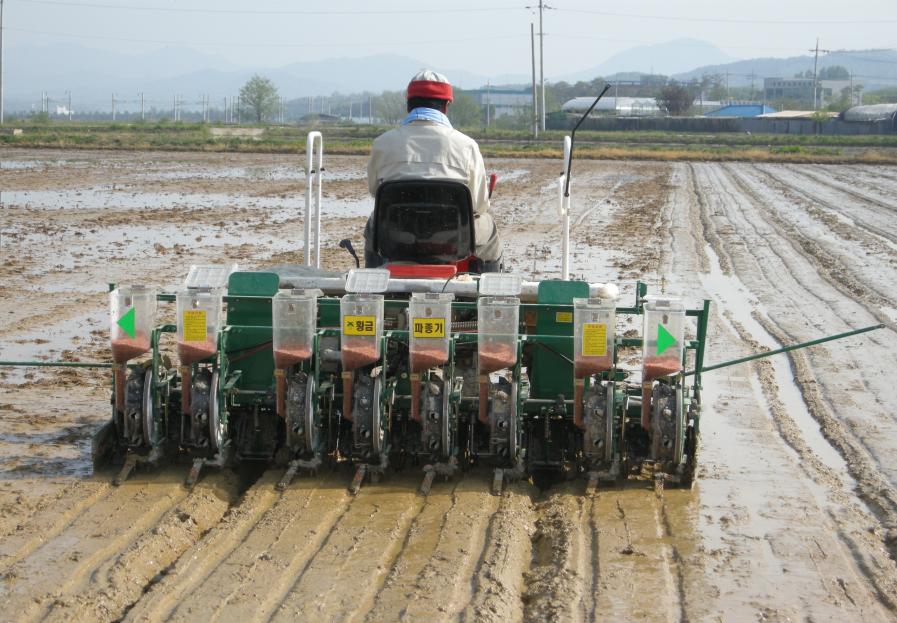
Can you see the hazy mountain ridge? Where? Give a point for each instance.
(92, 76)
(874, 68)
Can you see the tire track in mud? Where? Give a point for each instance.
(429, 579)
(64, 564)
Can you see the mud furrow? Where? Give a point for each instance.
(127, 576)
(709, 232)
(435, 564)
(344, 575)
(635, 579)
(814, 198)
(873, 489)
(498, 580)
(189, 571)
(558, 582)
(49, 519)
(64, 564)
(828, 180)
(828, 266)
(250, 581)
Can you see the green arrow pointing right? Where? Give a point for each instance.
(126, 323)
(664, 339)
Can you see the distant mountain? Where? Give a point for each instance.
(671, 57)
(875, 69)
(93, 75)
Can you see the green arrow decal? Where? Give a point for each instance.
(126, 323)
(664, 339)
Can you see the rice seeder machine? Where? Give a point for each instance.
(416, 360)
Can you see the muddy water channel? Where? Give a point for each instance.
(793, 517)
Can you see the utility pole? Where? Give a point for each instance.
(816, 52)
(542, 63)
(532, 42)
(1, 62)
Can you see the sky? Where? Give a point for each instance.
(490, 37)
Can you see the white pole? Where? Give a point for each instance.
(564, 213)
(313, 176)
(1, 61)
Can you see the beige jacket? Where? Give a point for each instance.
(427, 150)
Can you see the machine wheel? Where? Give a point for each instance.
(217, 430)
(311, 429)
(148, 407)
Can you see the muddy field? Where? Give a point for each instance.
(793, 517)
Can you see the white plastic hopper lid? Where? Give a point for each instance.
(659, 301)
(367, 280)
(209, 275)
(500, 284)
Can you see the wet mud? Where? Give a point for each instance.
(793, 517)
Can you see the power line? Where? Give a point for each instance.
(232, 44)
(727, 20)
(161, 9)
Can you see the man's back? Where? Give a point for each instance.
(425, 150)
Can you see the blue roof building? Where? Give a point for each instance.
(741, 110)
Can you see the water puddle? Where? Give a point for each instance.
(258, 173)
(49, 344)
(111, 198)
(732, 295)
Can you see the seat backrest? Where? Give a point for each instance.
(423, 221)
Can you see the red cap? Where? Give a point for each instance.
(424, 85)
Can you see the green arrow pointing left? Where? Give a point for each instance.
(664, 339)
(126, 323)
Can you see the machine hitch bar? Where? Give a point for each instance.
(784, 349)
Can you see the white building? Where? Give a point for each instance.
(620, 106)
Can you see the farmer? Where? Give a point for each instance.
(425, 146)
